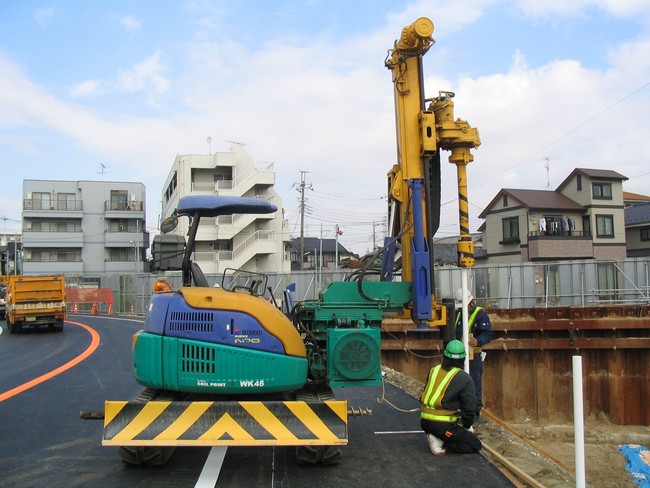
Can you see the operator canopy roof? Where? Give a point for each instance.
(215, 205)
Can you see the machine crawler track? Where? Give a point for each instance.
(148, 455)
(317, 454)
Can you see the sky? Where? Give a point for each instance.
(114, 90)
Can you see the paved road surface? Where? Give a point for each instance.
(43, 442)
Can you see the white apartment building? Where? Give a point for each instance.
(250, 242)
(83, 227)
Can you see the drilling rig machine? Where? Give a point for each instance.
(224, 366)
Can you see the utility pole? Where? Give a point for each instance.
(302, 219)
(374, 234)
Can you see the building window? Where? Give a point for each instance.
(579, 182)
(586, 225)
(645, 233)
(122, 225)
(55, 256)
(602, 191)
(42, 201)
(510, 231)
(119, 200)
(604, 226)
(505, 200)
(222, 245)
(65, 201)
(117, 254)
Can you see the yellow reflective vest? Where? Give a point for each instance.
(434, 391)
(470, 319)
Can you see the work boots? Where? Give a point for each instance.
(435, 445)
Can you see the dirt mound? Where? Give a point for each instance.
(545, 451)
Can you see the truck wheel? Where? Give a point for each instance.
(59, 326)
(15, 328)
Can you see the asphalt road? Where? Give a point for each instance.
(45, 381)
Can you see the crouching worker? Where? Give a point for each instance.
(449, 405)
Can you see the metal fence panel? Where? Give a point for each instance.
(519, 285)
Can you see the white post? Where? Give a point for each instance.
(578, 421)
(336, 250)
(464, 315)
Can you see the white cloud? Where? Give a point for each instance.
(130, 23)
(85, 88)
(147, 75)
(548, 8)
(42, 15)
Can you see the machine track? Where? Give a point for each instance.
(149, 455)
(317, 454)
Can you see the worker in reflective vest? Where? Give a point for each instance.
(480, 333)
(448, 405)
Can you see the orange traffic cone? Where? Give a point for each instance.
(110, 309)
(93, 310)
(75, 309)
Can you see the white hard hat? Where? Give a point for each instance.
(458, 296)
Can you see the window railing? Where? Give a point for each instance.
(566, 233)
(55, 229)
(38, 204)
(57, 258)
(121, 206)
(130, 229)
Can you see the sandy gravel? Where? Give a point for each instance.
(546, 453)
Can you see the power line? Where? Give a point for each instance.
(566, 134)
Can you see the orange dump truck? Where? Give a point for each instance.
(35, 301)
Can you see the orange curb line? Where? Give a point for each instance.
(94, 343)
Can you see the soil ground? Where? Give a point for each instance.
(546, 451)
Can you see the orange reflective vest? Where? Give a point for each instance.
(434, 391)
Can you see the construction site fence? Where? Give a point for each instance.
(520, 285)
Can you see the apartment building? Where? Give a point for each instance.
(83, 227)
(250, 242)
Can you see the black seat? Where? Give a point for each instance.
(197, 275)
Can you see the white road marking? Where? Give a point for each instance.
(212, 468)
(400, 432)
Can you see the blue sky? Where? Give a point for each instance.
(131, 84)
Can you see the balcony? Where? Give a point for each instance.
(65, 205)
(33, 207)
(574, 245)
(122, 206)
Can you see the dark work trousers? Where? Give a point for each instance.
(476, 372)
(456, 439)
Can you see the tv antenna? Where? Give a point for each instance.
(103, 169)
(242, 144)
